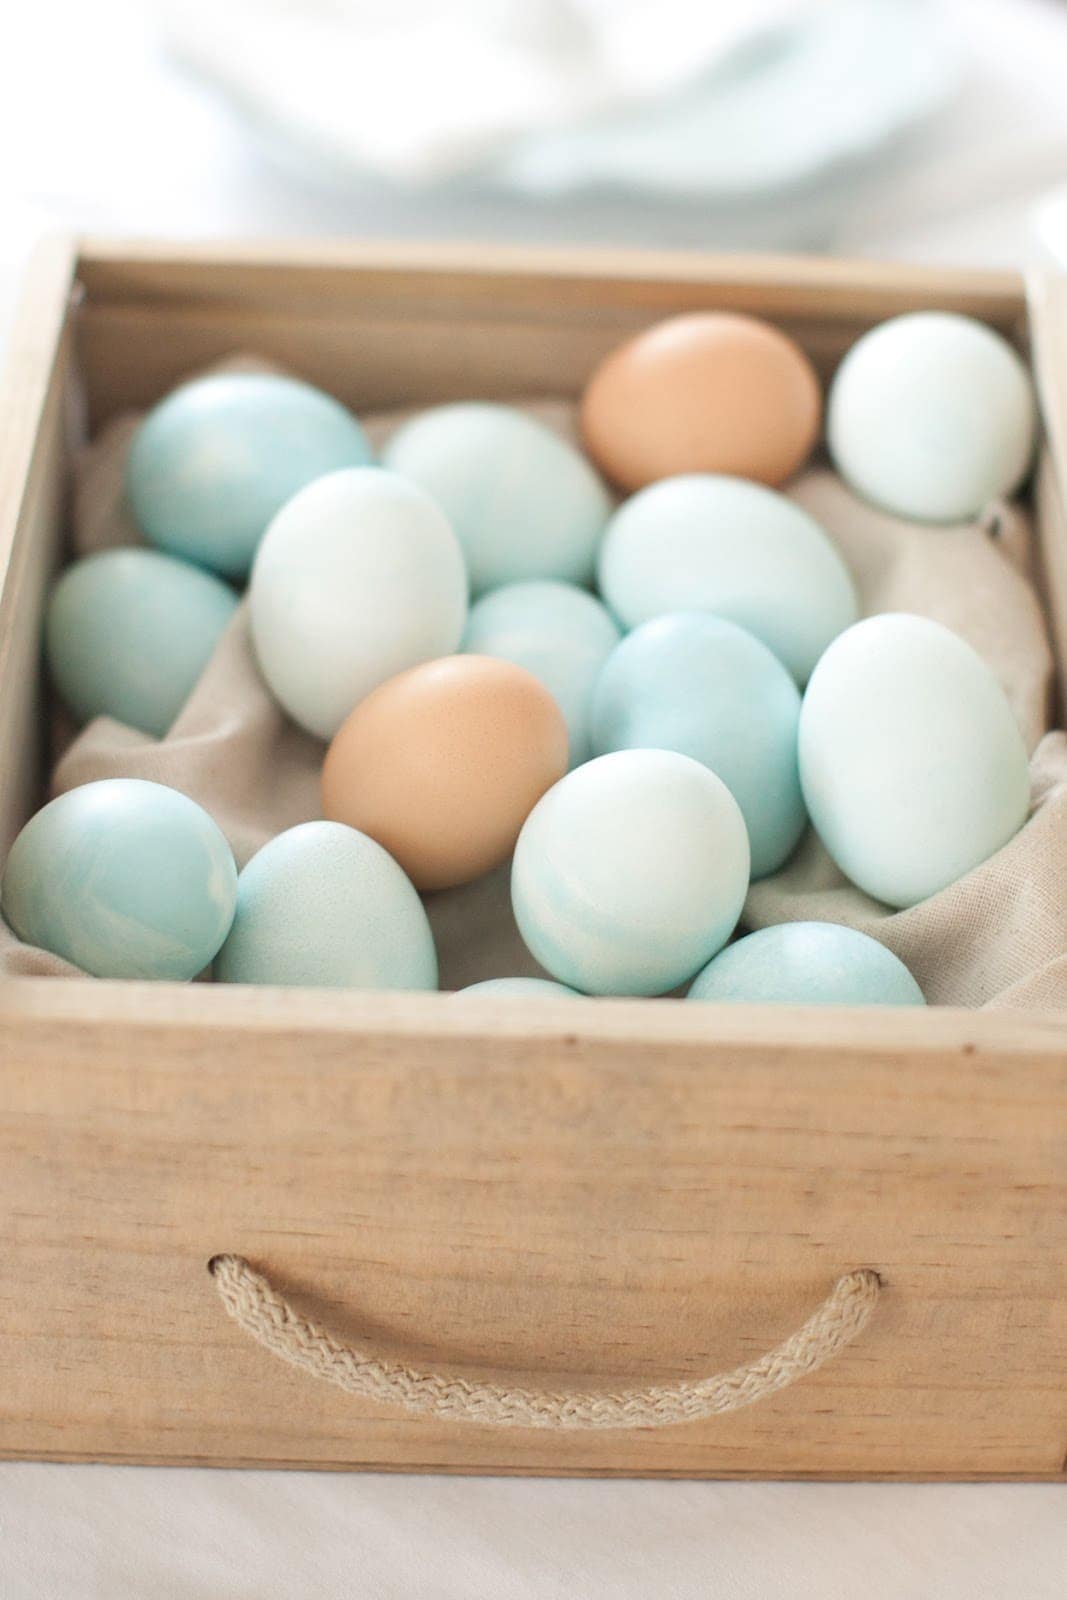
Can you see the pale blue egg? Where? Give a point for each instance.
(125, 879)
(808, 964)
(212, 463)
(324, 906)
(524, 502)
(932, 416)
(709, 543)
(703, 686)
(520, 989)
(912, 764)
(558, 632)
(128, 633)
(630, 873)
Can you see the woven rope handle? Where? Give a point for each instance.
(269, 1318)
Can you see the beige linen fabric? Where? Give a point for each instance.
(998, 937)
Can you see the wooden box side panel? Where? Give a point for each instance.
(394, 326)
(35, 402)
(566, 1199)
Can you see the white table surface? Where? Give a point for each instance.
(96, 132)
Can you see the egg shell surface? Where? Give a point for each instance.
(520, 989)
(807, 964)
(523, 502)
(358, 577)
(443, 764)
(913, 767)
(743, 552)
(705, 687)
(214, 461)
(630, 873)
(326, 907)
(124, 878)
(932, 416)
(560, 633)
(128, 633)
(712, 391)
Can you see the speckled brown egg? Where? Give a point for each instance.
(442, 765)
(709, 392)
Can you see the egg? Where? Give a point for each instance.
(520, 989)
(706, 543)
(126, 879)
(630, 873)
(808, 964)
(524, 502)
(443, 764)
(703, 686)
(128, 633)
(212, 463)
(912, 764)
(326, 907)
(713, 391)
(558, 632)
(358, 577)
(932, 416)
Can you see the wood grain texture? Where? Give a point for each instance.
(583, 1192)
(624, 1190)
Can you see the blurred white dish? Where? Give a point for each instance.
(551, 96)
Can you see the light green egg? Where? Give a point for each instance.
(324, 906)
(808, 964)
(128, 633)
(125, 879)
(560, 633)
(521, 989)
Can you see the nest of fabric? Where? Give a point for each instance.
(997, 937)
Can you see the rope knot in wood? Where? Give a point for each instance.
(268, 1318)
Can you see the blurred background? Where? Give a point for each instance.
(921, 129)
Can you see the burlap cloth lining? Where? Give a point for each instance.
(998, 937)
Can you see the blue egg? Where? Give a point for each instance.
(808, 964)
(703, 542)
(703, 686)
(125, 879)
(521, 989)
(212, 463)
(128, 633)
(523, 502)
(324, 906)
(558, 632)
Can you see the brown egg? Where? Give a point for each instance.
(710, 392)
(443, 764)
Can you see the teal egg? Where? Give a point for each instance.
(558, 632)
(523, 502)
(808, 964)
(705, 687)
(324, 906)
(521, 989)
(125, 879)
(212, 463)
(128, 633)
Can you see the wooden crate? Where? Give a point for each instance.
(574, 1194)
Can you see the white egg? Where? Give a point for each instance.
(912, 764)
(709, 543)
(358, 577)
(630, 873)
(932, 416)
